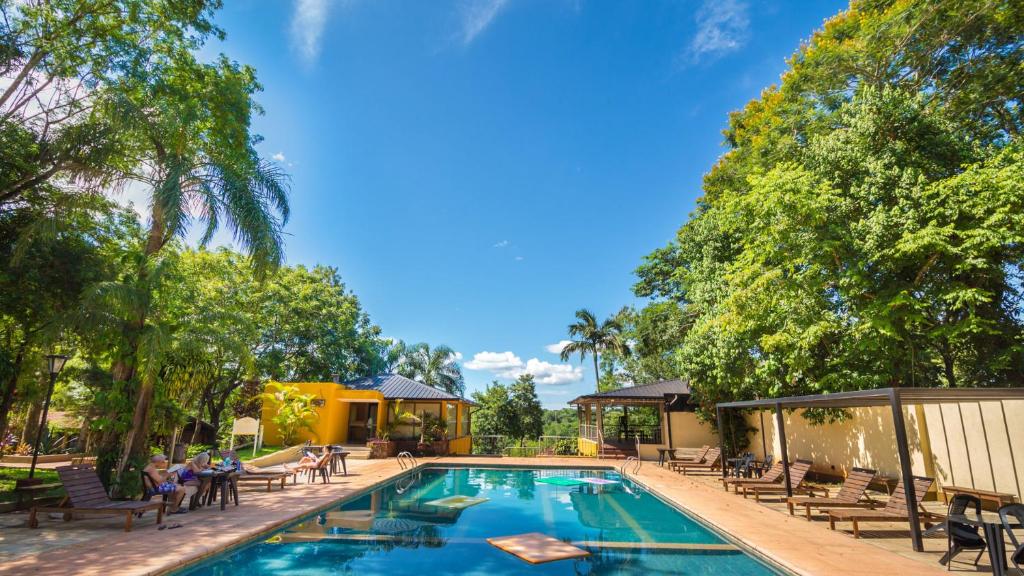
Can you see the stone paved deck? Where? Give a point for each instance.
(99, 546)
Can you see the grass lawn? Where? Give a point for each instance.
(246, 453)
(9, 475)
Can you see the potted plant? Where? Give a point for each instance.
(384, 446)
(433, 435)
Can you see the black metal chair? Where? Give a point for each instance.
(769, 461)
(960, 536)
(1009, 514)
(741, 466)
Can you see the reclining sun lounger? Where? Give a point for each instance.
(850, 495)
(697, 457)
(895, 510)
(797, 472)
(712, 460)
(86, 495)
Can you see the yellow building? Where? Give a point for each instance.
(355, 411)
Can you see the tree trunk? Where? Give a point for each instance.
(135, 439)
(28, 435)
(597, 374)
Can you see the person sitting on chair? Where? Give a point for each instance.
(160, 483)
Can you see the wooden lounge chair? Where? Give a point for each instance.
(895, 509)
(697, 457)
(771, 476)
(254, 474)
(851, 494)
(86, 495)
(797, 472)
(711, 461)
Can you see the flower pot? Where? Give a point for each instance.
(439, 447)
(382, 448)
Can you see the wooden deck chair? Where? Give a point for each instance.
(797, 472)
(895, 509)
(852, 494)
(712, 460)
(86, 495)
(697, 457)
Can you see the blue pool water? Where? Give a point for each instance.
(393, 530)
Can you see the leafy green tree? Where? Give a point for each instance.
(312, 328)
(436, 367)
(524, 404)
(593, 338)
(62, 61)
(293, 410)
(512, 411)
(863, 228)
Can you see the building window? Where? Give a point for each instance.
(465, 420)
(452, 420)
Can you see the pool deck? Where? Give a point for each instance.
(100, 546)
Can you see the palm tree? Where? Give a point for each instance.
(589, 337)
(199, 162)
(433, 366)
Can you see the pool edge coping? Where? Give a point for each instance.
(250, 539)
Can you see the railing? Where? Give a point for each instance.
(545, 446)
(621, 434)
(490, 444)
(588, 431)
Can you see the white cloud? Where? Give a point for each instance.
(555, 374)
(494, 361)
(502, 244)
(308, 21)
(508, 365)
(477, 15)
(557, 347)
(457, 355)
(519, 258)
(279, 157)
(722, 27)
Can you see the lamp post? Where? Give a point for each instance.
(54, 363)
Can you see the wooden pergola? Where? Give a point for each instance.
(895, 398)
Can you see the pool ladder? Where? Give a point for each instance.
(636, 462)
(406, 460)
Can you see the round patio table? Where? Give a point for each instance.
(225, 480)
(993, 528)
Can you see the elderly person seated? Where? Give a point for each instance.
(193, 472)
(157, 482)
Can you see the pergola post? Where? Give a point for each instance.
(908, 476)
(780, 422)
(721, 440)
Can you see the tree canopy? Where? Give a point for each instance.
(865, 227)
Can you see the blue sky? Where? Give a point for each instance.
(478, 170)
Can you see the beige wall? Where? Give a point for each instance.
(689, 432)
(978, 444)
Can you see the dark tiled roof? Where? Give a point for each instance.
(652, 391)
(395, 387)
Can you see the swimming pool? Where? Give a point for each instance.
(438, 520)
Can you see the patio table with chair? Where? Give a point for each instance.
(992, 526)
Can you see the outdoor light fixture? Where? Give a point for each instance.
(54, 364)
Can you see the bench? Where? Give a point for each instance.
(996, 498)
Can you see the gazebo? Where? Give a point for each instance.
(638, 412)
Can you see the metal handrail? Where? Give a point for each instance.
(637, 463)
(406, 460)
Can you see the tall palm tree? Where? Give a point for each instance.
(190, 125)
(589, 337)
(434, 367)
